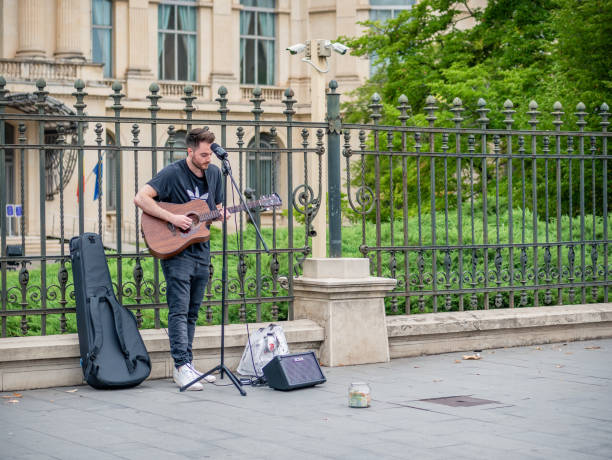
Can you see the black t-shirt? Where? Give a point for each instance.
(176, 183)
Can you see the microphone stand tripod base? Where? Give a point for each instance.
(222, 368)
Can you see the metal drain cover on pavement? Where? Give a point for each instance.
(459, 401)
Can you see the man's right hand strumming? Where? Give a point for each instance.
(180, 221)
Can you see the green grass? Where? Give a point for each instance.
(352, 240)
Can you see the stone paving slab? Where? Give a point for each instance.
(548, 401)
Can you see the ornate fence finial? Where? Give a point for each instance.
(557, 113)
(430, 108)
(60, 133)
(3, 91)
(375, 107)
(333, 85)
(508, 111)
(222, 100)
(580, 113)
(404, 108)
(471, 143)
(99, 130)
(362, 139)
(257, 100)
(533, 113)
(117, 96)
(521, 145)
(346, 150)
(41, 95)
(457, 109)
(188, 98)
(482, 112)
(546, 144)
(154, 97)
(79, 94)
(289, 101)
(320, 147)
(135, 133)
(604, 114)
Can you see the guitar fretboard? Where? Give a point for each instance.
(212, 215)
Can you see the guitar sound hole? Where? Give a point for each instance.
(194, 223)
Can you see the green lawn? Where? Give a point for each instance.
(352, 240)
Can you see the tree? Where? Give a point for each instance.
(517, 50)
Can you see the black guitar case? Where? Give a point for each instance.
(113, 354)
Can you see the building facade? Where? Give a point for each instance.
(207, 44)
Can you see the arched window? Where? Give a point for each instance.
(179, 149)
(268, 166)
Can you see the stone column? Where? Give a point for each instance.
(70, 20)
(341, 296)
(225, 48)
(31, 29)
(138, 74)
(138, 31)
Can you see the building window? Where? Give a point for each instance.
(383, 10)
(268, 163)
(112, 163)
(102, 34)
(177, 40)
(179, 151)
(257, 42)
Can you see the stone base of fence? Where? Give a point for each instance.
(43, 362)
(414, 335)
(50, 361)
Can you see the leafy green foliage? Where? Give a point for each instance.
(521, 50)
(517, 52)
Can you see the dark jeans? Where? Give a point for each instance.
(186, 280)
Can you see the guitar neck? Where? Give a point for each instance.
(212, 215)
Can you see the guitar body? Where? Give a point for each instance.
(164, 239)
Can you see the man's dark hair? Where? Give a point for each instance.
(197, 135)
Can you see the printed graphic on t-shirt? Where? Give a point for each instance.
(196, 195)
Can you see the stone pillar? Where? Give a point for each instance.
(31, 29)
(341, 296)
(138, 74)
(225, 48)
(70, 19)
(318, 115)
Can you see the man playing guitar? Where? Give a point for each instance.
(186, 273)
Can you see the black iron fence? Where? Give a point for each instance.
(465, 214)
(37, 291)
(481, 216)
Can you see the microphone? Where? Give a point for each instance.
(218, 151)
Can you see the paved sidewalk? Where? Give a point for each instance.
(547, 402)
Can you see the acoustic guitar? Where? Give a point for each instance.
(166, 240)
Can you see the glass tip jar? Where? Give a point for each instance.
(359, 395)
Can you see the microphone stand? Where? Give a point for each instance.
(221, 367)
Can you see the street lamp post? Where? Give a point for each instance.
(316, 54)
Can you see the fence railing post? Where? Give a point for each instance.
(334, 128)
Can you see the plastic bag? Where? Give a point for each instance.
(267, 342)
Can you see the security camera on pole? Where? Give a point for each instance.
(316, 54)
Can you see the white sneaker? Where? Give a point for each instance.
(209, 378)
(185, 374)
